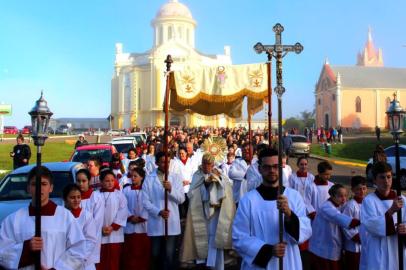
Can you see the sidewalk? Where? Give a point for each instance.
(339, 162)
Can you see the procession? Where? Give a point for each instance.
(201, 165)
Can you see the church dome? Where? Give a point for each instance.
(174, 9)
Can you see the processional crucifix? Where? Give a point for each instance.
(278, 51)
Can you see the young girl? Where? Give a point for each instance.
(136, 250)
(72, 199)
(92, 202)
(352, 209)
(115, 218)
(299, 179)
(326, 244)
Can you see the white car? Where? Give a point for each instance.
(390, 155)
(123, 144)
(139, 136)
(115, 132)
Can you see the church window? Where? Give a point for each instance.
(180, 32)
(188, 36)
(334, 97)
(319, 101)
(160, 35)
(127, 93)
(387, 103)
(358, 104)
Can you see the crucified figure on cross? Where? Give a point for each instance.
(278, 51)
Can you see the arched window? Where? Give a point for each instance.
(387, 103)
(160, 35)
(358, 104)
(188, 36)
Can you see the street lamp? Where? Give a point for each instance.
(395, 117)
(40, 115)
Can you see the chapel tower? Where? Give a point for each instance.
(370, 57)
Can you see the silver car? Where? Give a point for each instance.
(13, 189)
(300, 146)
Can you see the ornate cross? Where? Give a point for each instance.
(278, 51)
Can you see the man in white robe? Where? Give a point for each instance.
(62, 243)
(153, 191)
(256, 226)
(238, 171)
(379, 220)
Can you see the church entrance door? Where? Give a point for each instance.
(326, 121)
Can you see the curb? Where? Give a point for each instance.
(339, 162)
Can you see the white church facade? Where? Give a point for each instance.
(138, 82)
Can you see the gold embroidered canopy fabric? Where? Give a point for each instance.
(219, 89)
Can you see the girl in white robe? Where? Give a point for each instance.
(115, 218)
(72, 198)
(326, 244)
(92, 202)
(298, 180)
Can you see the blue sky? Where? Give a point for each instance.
(67, 47)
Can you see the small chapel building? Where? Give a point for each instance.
(357, 97)
(138, 82)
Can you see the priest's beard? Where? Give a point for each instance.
(271, 179)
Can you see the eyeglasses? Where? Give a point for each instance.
(270, 167)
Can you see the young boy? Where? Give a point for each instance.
(62, 244)
(316, 193)
(352, 242)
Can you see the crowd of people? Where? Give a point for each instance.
(117, 217)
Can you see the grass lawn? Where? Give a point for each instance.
(52, 151)
(355, 150)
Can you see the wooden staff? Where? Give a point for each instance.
(249, 134)
(168, 62)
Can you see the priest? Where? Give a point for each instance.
(256, 227)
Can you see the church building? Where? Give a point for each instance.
(138, 83)
(357, 97)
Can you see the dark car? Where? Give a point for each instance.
(13, 188)
(10, 130)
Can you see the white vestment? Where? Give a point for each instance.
(185, 171)
(237, 174)
(135, 208)
(299, 183)
(253, 176)
(115, 212)
(154, 202)
(63, 241)
(90, 232)
(316, 195)
(286, 173)
(352, 209)
(95, 205)
(379, 251)
(327, 241)
(256, 224)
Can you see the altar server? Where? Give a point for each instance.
(352, 242)
(115, 218)
(93, 202)
(62, 244)
(72, 198)
(301, 177)
(316, 193)
(162, 248)
(137, 246)
(379, 220)
(326, 244)
(256, 226)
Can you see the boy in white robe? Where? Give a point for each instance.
(352, 242)
(153, 190)
(378, 219)
(327, 242)
(62, 244)
(256, 226)
(316, 193)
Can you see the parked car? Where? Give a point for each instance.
(139, 136)
(104, 151)
(10, 130)
(300, 146)
(13, 189)
(116, 132)
(391, 159)
(123, 144)
(26, 130)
